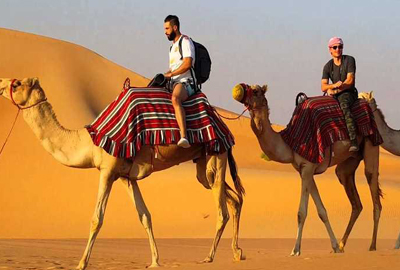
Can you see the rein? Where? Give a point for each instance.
(230, 118)
(16, 117)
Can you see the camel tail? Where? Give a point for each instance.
(234, 173)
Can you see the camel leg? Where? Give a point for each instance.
(235, 203)
(323, 215)
(306, 178)
(106, 181)
(216, 168)
(144, 216)
(345, 171)
(371, 161)
(397, 245)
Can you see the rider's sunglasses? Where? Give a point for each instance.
(340, 47)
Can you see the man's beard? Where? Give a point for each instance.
(171, 36)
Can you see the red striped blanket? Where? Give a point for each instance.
(145, 116)
(318, 122)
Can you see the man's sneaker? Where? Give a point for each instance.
(353, 146)
(184, 143)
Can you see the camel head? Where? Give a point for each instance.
(23, 93)
(252, 96)
(369, 97)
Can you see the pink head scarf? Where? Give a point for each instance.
(335, 40)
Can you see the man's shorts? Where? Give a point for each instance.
(190, 88)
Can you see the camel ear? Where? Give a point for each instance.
(264, 88)
(33, 81)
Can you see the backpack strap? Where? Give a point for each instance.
(343, 66)
(331, 69)
(180, 46)
(197, 88)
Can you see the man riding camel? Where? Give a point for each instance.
(341, 70)
(180, 73)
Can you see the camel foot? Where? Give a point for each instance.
(81, 266)
(238, 255)
(338, 250)
(153, 265)
(341, 247)
(207, 260)
(295, 253)
(372, 248)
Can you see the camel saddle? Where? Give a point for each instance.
(318, 122)
(145, 116)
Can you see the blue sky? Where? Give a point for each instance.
(281, 43)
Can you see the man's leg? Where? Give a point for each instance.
(345, 101)
(179, 95)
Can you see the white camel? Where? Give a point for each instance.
(75, 148)
(277, 150)
(391, 137)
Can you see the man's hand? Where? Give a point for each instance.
(332, 92)
(168, 75)
(338, 84)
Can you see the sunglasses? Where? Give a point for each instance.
(337, 47)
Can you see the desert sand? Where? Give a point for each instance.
(46, 208)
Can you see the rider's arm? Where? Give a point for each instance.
(186, 65)
(325, 86)
(351, 74)
(348, 83)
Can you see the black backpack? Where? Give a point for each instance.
(202, 64)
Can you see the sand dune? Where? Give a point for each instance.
(40, 198)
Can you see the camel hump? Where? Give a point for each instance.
(318, 122)
(145, 116)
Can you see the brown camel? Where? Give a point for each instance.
(75, 148)
(391, 137)
(277, 150)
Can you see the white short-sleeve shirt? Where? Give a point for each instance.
(175, 58)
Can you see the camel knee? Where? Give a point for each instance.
(323, 215)
(145, 219)
(301, 217)
(377, 212)
(370, 175)
(96, 224)
(234, 199)
(357, 209)
(223, 219)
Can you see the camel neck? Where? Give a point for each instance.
(57, 140)
(391, 137)
(270, 141)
